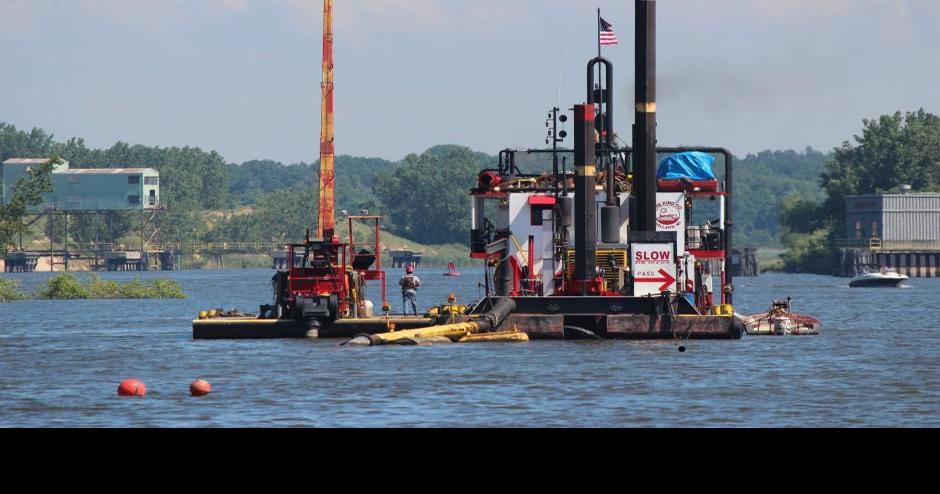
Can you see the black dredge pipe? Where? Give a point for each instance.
(502, 309)
(644, 128)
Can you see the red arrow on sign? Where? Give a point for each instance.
(667, 280)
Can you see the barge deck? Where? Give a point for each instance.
(249, 328)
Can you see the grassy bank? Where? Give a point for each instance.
(771, 260)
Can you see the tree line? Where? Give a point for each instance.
(424, 197)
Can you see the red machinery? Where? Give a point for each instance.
(326, 277)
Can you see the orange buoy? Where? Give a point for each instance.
(200, 388)
(132, 387)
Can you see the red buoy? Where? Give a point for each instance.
(200, 388)
(132, 387)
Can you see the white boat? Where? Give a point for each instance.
(885, 278)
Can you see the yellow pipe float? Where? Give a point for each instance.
(450, 331)
(514, 336)
(486, 322)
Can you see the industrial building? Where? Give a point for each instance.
(88, 190)
(92, 191)
(898, 231)
(895, 221)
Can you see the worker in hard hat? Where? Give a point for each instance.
(409, 290)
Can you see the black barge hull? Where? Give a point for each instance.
(266, 329)
(625, 318)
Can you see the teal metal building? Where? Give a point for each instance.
(90, 189)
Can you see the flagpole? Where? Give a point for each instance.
(599, 54)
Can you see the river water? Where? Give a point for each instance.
(876, 364)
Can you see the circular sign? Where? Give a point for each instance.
(668, 214)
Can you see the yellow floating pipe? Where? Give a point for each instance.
(502, 337)
(452, 331)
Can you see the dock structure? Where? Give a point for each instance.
(405, 258)
(126, 261)
(897, 231)
(745, 263)
(279, 260)
(150, 257)
(919, 263)
(21, 262)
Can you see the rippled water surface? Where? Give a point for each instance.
(875, 365)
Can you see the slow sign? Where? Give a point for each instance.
(654, 269)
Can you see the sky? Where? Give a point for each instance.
(242, 77)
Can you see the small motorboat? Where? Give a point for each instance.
(452, 271)
(886, 278)
(780, 320)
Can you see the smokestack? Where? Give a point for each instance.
(585, 228)
(644, 130)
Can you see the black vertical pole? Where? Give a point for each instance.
(585, 233)
(555, 149)
(644, 130)
(601, 108)
(66, 259)
(599, 54)
(729, 223)
(97, 240)
(51, 226)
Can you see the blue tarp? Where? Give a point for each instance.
(694, 165)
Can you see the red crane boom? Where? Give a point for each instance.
(326, 228)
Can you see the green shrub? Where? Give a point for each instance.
(63, 287)
(68, 287)
(165, 288)
(10, 291)
(102, 289)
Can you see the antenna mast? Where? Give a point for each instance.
(326, 224)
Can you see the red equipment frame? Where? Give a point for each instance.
(376, 274)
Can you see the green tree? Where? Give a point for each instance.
(762, 183)
(892, 150)
(282, 217)
(427, 199)
(23, 195)
(20, 144)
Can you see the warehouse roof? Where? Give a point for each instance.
(27, 161)
(908, 194)
(106, 171)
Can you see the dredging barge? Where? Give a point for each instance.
(604, 251)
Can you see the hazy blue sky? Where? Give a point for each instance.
(242, 76)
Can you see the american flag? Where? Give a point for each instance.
(607, 35)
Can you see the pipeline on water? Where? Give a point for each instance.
(586, 333)
(485, 323)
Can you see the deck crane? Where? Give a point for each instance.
(326, 225)
(327, 275)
